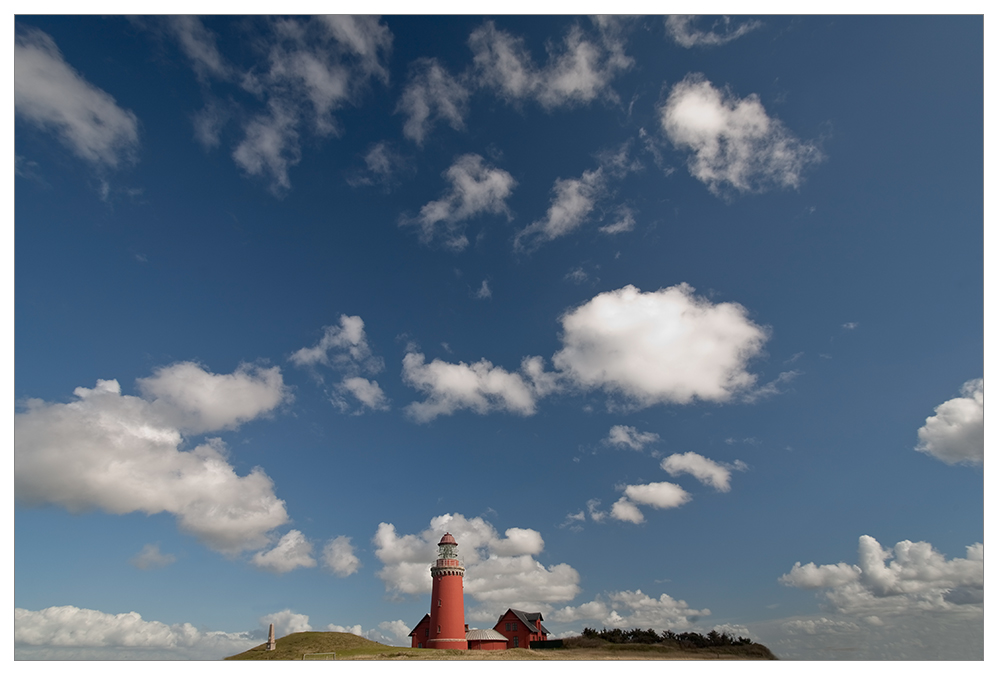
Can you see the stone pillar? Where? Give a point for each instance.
(271, 642)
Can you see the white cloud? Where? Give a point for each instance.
(484, 292)
(704, 470)
(150, 558)
(918, 579)
(667, 346)
(625, 510)
(72, 633)
(574, 199)
(480, 387)
(681, 29)
(955, 434)
(198, 44)
(286, 622)
(122, 453)
(367, 392)
(475, 188)
(51, 95)
(397, 628)
(634, 609)
(270, 146)
(356, 629)
(623, 223)
(292, 551)
(733, 143)
(196, 400)
(339, 558)
(313, 67)
(432, 95)
(501, 571)
(577, 73)
(345, 348)
(594, 513)
(382, 163)
(658, 495)
(624, 436)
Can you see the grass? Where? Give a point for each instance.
(354, 648)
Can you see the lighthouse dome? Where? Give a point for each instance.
(448, 538)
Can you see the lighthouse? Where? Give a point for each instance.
(447, 629)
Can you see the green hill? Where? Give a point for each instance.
(294, 646)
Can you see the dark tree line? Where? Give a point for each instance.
(667, 637)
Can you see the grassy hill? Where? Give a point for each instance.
(352, 648)
(294, 646)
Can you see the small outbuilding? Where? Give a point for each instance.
(421, 633)
(487, 639)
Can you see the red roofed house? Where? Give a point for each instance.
(521, 628)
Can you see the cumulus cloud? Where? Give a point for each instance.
(917, 579)
(432, 94)
(51, 95)
(286, 622)
(733, 143)
(121, 453)
(578, 72)
(667, 346)
(481, 387)
(656, 495)
(955, 434)
(629, 437)
(339, 558)
(501, 570)
(73, 633)
(634, 609)
(476, 188)
(705, 470)
(681, 28)
(292, 551)
(195, 400)
(344, 348)
(150, 558)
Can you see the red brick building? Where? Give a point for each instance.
(521, 628)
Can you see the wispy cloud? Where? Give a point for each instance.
(51, 95)
(432, 94)
(476, 188)
(682, 29)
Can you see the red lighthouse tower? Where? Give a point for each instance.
(447, 628)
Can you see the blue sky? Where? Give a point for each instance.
(674, 323)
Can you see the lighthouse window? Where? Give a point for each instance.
(438, 602)
(438, 629)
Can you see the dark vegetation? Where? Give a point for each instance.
(637, 638)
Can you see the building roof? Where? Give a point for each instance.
(486, 634)
(529, 618)
(426, 618)
(448, 538)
